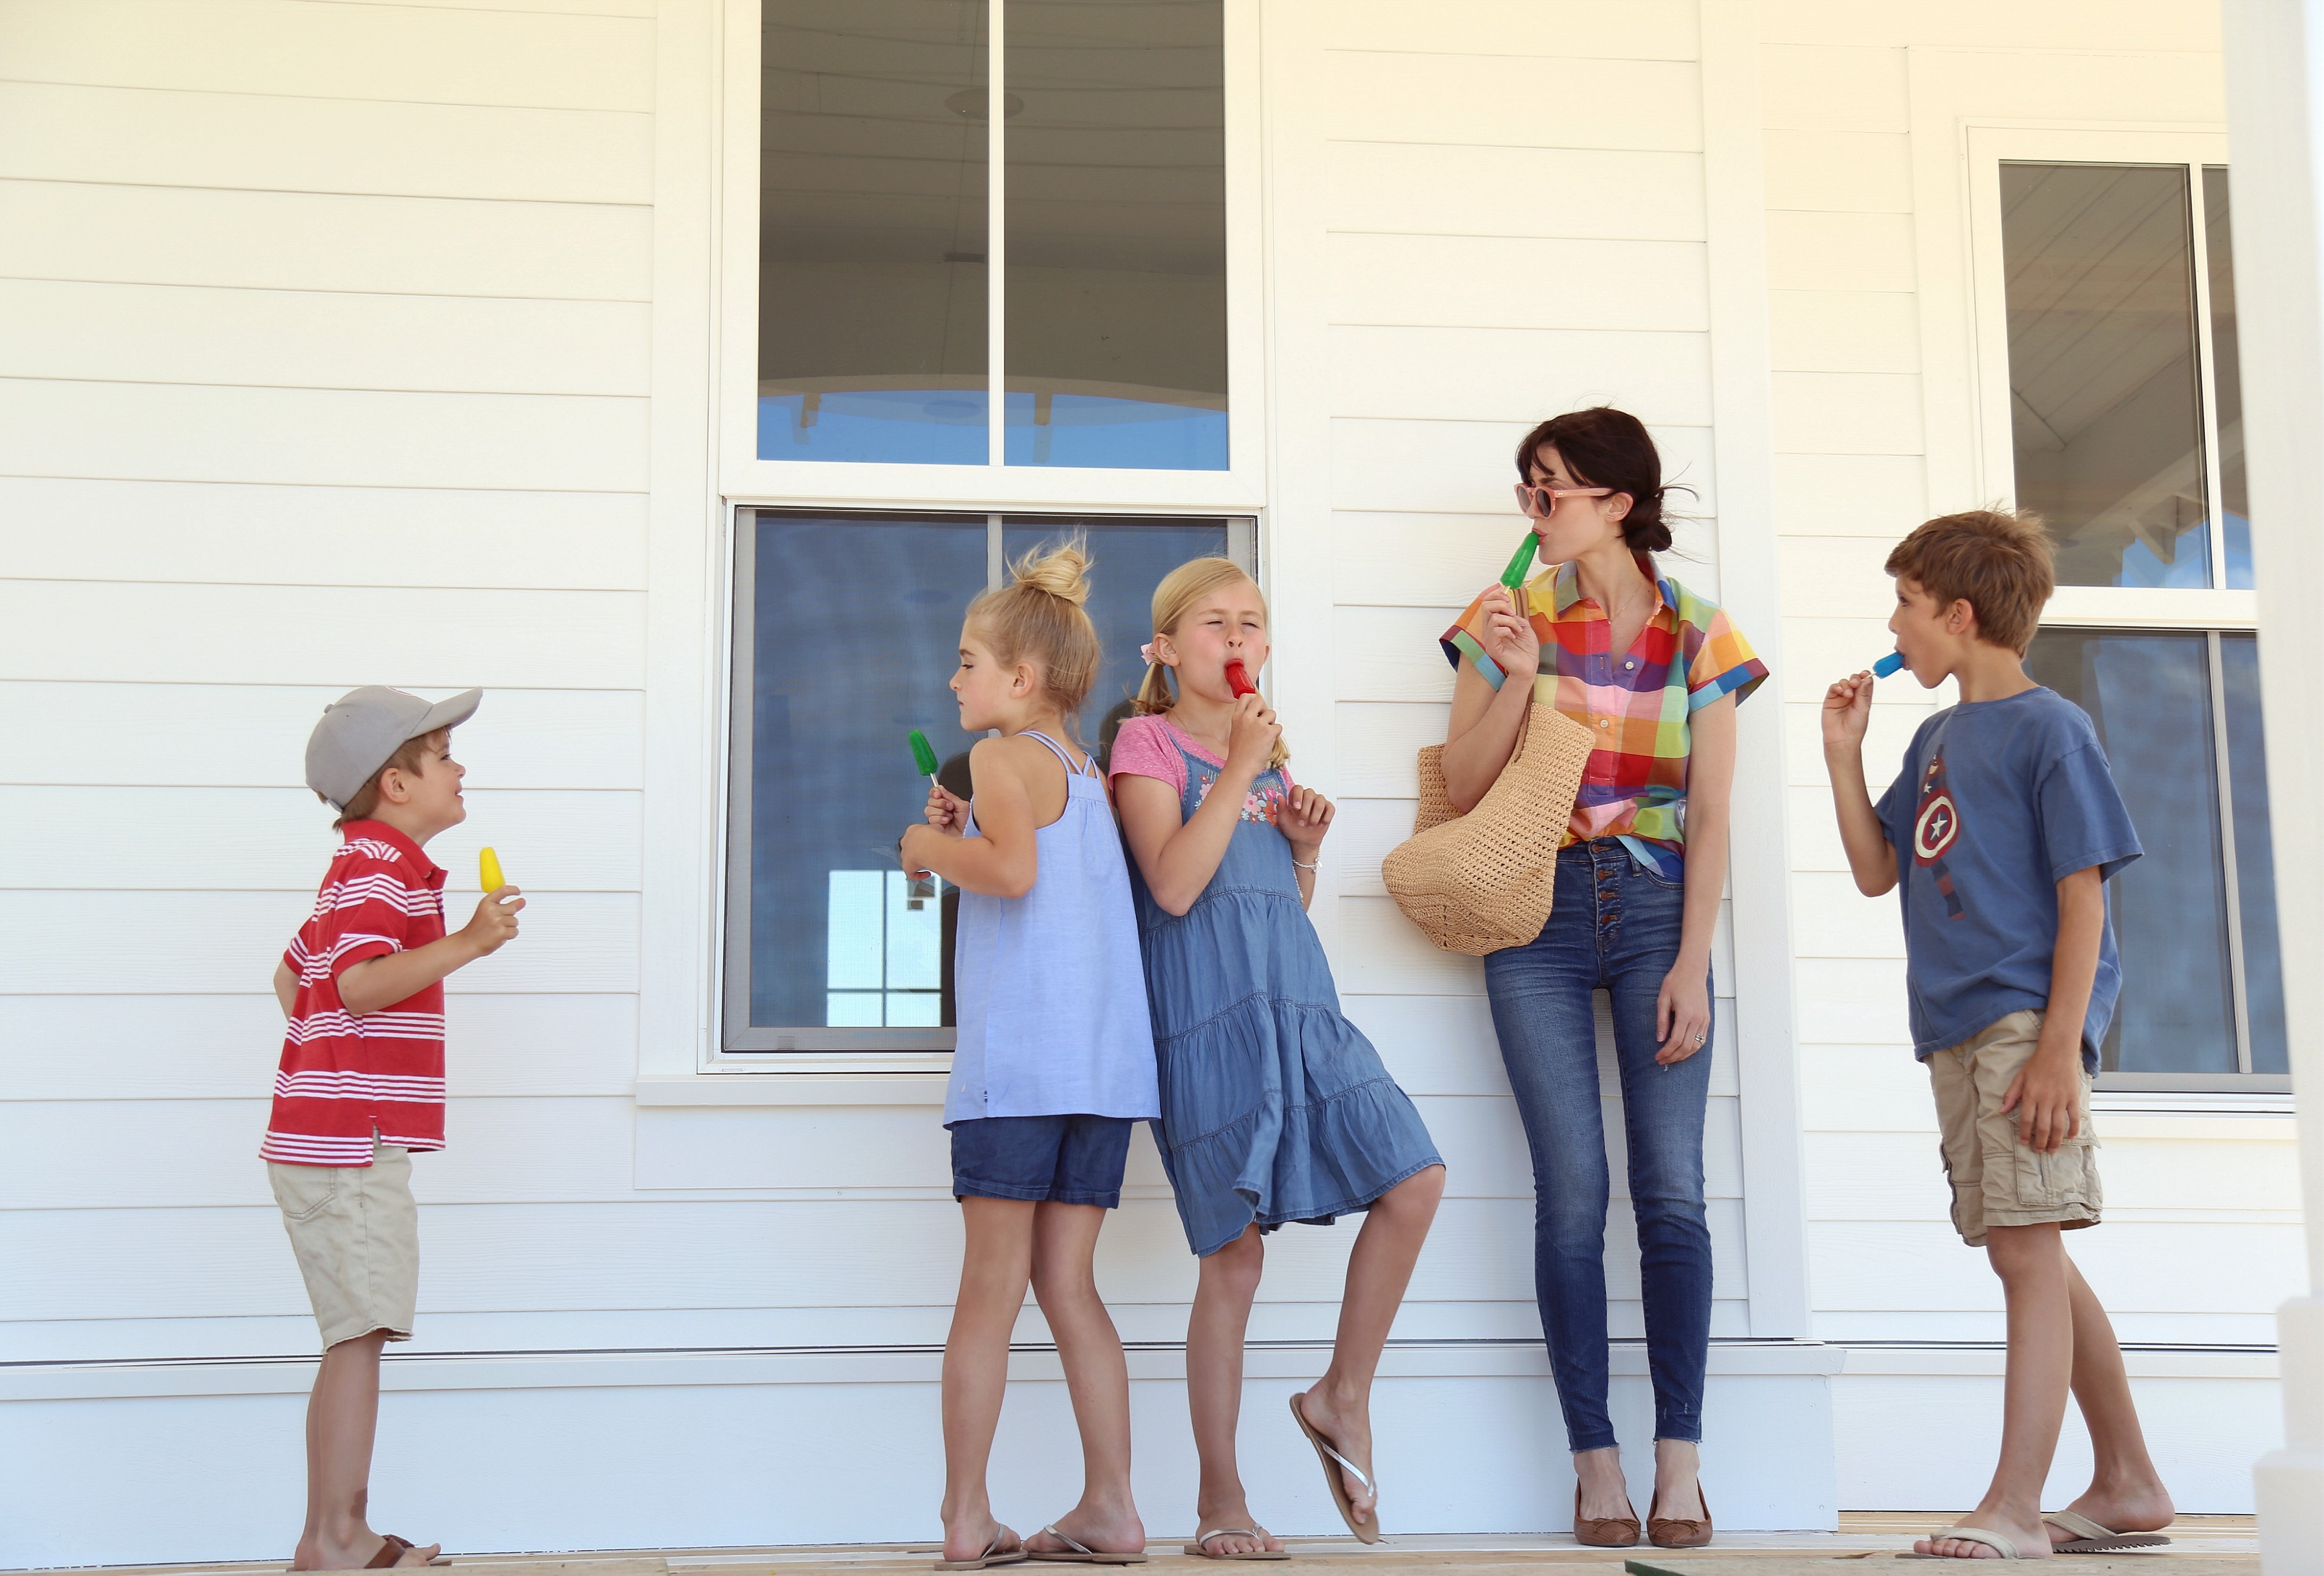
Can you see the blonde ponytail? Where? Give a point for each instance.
(1039, 616)
(1180, 591)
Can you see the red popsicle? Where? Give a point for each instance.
(1239, 680)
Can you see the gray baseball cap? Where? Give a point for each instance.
(364, 727)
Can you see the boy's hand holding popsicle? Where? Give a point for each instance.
(1848, 705)
(494, 925)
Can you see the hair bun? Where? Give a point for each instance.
(1062, 572)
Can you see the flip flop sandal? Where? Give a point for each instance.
(2090, 1538)
(1077, 1553)
(391, 1550)
(995, 1554)
(1201, 1545)
(1366, 1532)
(1971, 1534)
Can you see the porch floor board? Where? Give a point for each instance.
(2201, 1546)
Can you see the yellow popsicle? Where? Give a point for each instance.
(488, 867)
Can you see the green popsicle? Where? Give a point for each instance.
(1520, 562)
(924, 756)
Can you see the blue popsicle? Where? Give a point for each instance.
(1889, 667)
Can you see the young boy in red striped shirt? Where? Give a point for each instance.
(361, 1083)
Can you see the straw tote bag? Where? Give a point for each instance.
(1479, 882)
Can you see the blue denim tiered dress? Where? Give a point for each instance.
(1274, 1107)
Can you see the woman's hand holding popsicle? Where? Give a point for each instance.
(1511, 642)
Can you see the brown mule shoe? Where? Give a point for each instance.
(1669, 1532)
(1606, 1532)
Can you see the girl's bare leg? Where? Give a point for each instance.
(1214, 1336)
(1064, 1244)
(1339, 1406)
(995, 1268)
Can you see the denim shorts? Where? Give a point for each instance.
(1041, 1159)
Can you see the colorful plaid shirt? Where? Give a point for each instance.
(1636, 703)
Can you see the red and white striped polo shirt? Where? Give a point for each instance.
(345, 1077)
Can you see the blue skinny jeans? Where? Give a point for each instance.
(1614, 927)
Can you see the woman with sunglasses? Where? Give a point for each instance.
(1655, 673)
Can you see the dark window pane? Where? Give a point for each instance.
(1116, 257)
(2226, 376)
(1129, 558)
(2102, 369)
(2150, 695)
(2254, 854)
(873, 222)
(834, 938)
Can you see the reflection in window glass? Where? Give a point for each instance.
(848, 630)
(873, 224)
(1129, 557)
(2103, 371)
(2226, 376)
(2150, 696)
(855, 632)
(1116, 213)
(2254, 854)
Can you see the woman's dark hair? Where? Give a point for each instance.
(1605, 447)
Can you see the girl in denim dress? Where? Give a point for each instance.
(1275, 1108)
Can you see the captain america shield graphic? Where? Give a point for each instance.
(1933, 832)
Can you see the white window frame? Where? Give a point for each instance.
(744, 478)
(2213, 611)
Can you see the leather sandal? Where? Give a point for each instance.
(1671, 1532)
(1605, 1532)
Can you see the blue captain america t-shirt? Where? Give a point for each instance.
(2000, 800)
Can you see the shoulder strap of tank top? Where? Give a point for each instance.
(1089, 763)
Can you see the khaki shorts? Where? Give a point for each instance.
(1996, 1180)
(355, 1231)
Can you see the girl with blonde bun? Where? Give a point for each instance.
(1275, 1108)
(1055, 1059)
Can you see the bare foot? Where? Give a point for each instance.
(974, 1537)
(1347, 1429)
(1114, 1530)
(2146, 1508)
(2014, 1526)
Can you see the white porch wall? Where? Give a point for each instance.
(1867, 259)
(284, 280)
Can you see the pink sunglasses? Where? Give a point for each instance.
(1538, 502)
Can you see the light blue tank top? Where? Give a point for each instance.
(1050, 986)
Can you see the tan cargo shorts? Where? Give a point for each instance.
(1996, 1180)
(355, 1231)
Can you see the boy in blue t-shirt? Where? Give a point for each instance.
(2002, 830)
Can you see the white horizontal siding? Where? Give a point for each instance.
(178, 734)
(473, 56)
(150, 137)
(403, 245)
(331, 369)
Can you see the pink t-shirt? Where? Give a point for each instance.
(1148, 746)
